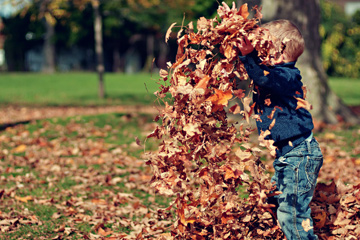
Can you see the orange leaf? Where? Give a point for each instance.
(244, 11)
(98, 201)
(302, 103)
(24, 199)
(203, 83)
(20, 148)
(104, 233)
(266, 73)
(220, 98)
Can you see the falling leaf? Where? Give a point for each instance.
(267, 102)
(203, 83)
(301, 103)
(168, 32)
(137, 140)
(306, 225)
(220, 97)
(163, 73)
(244, 12)
(266, 73)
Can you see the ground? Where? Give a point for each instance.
(85, 186)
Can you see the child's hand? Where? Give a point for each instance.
(245, 46)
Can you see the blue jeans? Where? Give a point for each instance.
(295, 176)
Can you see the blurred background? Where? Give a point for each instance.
(58, 35)
(127, 37)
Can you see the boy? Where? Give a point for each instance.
(298, 156)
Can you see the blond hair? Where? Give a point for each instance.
(286, 33)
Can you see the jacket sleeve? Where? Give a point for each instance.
(277, 79)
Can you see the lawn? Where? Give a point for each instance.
(347, 89)
(79, 89)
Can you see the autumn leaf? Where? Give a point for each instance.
(220, 98)
(244, 12)
(168, 32)
(302, 103)
(203, 83)
(20, 148)
(319, 219)
(24, 199)
(164, 74)
(306, 225)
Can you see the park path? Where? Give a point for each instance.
(14, 114)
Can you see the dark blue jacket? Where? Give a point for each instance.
(275, 88)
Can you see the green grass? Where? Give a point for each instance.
(79, 88)
(347, 89)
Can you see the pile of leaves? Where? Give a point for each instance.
(203, 158)
(335, 210)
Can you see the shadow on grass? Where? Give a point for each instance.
(7, 125)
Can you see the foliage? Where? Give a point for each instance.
(341, 41)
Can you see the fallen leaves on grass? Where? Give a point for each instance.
(69, 177)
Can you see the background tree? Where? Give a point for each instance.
(340, 35)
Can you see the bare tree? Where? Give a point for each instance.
(99, 46)
(49, 47)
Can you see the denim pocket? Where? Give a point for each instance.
(312, 168)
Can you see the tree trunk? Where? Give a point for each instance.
(150, 42)
(327, 107)
(163, 51)
(116, 58)
(99, 46)
(49, 48)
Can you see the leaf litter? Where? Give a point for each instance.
(88, 187)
